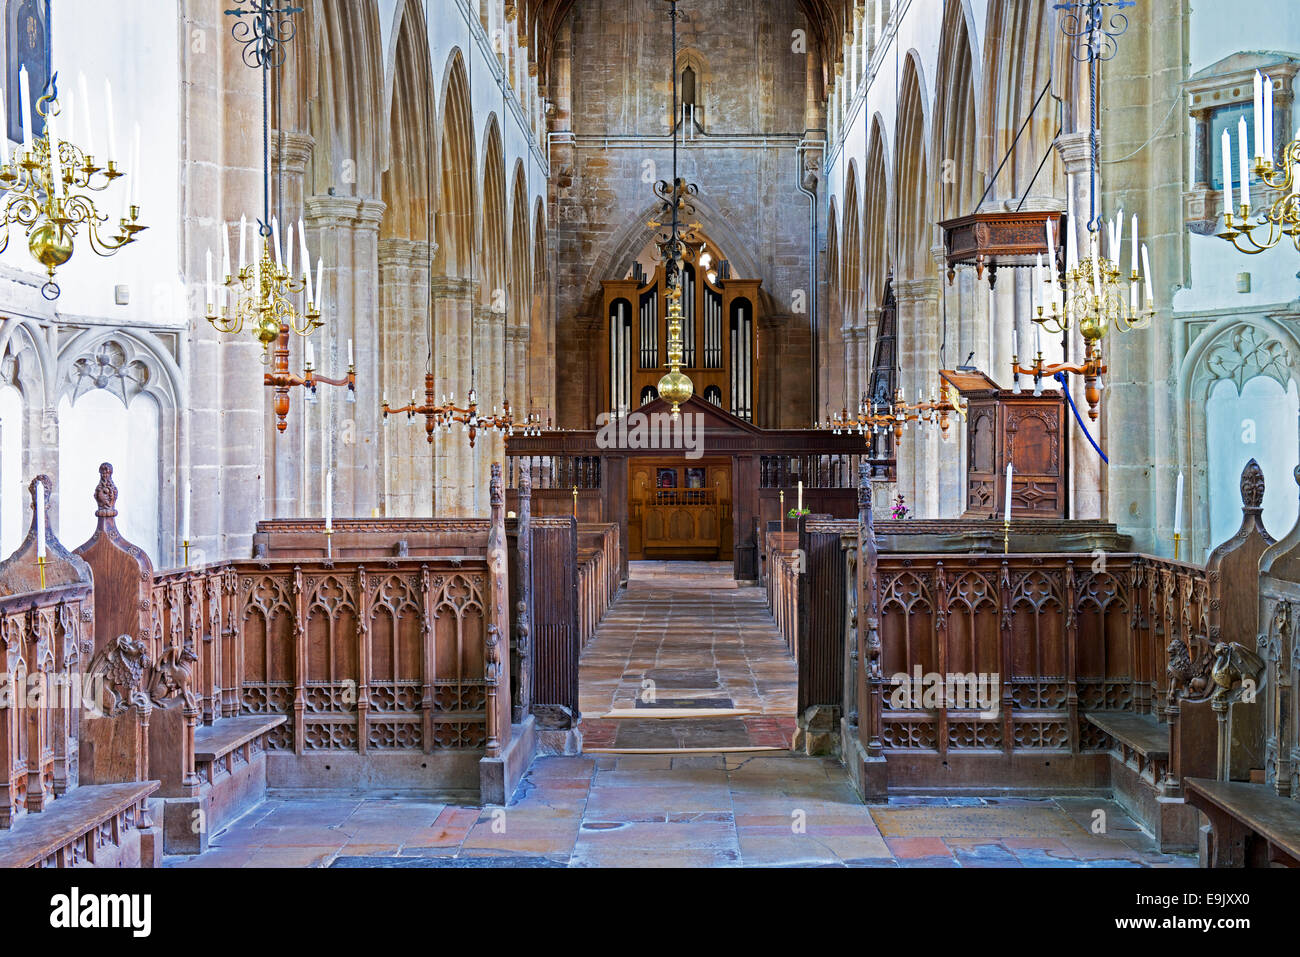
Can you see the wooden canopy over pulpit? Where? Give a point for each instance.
(1026, 430)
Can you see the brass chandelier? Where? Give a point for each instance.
(49, 182)
(266, 295)
(1279, 219)
(877, 419)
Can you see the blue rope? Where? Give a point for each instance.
(1060, 377)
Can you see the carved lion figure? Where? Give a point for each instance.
(1186, 680)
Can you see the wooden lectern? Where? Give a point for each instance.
(1023, 429)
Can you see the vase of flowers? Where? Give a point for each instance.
(796, 513)
(899, 510)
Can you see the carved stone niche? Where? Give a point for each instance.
(1226, 86)
(115, 742)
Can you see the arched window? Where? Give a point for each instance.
(1260, 423)
(100, 427)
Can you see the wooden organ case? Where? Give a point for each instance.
(719, 339)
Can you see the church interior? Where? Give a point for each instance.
(887, 451)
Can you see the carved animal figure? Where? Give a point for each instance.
(1186, 679)
(1236, 671)
(120, 671)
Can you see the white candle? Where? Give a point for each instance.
(25, 108)
(85, 105)
(1178, 506)
(136, 172)
(40, 519)
(56, 160)
(1225, 143)
(306, 257)
(67, 116)
(1134, 251)
(185, 514)
(1146, 273)
(320, 283)
(1268, 119)
(1071, 232)
(108, 110)
(800, 506)
(1244, 162)
(288, 253)
(1006, 509)
(1051, 248)
(349, 353)
(275, 242)
(1038, 338)
(329, 501)
(225, 253)
(1259, 115)
(211, 288)
(243, 242)
(311, 355)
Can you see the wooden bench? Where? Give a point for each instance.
(100, 825)
(1139, 740)
(222, 747)
(1251, 826)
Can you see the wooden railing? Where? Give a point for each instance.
(599, 564)
(781, 568)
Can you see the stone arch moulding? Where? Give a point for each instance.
(1234, 348)
(619, 251)
(27, 362)
(126, 364)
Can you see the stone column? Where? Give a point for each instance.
(344, 231)
(287, 451)
(406, 460)
(918, 355)
(1087, 472)
(453, 310)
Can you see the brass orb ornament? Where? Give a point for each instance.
(51, 246)
(676, 387)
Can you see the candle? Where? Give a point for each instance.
(40, 520)
(1134, 251)
(306, 257)
(225, 254)
(1178, 506)
(1006, 509)
(320, 282)
(275, 242)
(1071, 237)
(311, 355)
(136, 173)
(800, 496)
(4, 127)
(243, 242)
(185, 514)
(85, 100)
(56, 160)
(1038, 339)
(349, 353)
(211, 298)
(1015, 340)
(25, 108)
(1146, 273)
(66, 115)
(1051, 248)
(1268, 119)
(108, 110)
(1225, 143)
(1242, 150)
(1259, 115)
(329, 501)
(288, 253)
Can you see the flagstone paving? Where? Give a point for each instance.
(660, 810)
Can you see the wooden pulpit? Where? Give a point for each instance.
(1020, 428)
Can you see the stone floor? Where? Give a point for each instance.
(686, 628)
(685, 810)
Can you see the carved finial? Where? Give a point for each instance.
(498, 496)
(1252, 487)
(49, 489)
(106, 493)
(526, 480)
(864, 486)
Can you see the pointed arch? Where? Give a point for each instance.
(347, 110)
(916, 230)
(407, 182)
(957, 125)
(878, 193)
(492, 252)
(457, 193)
